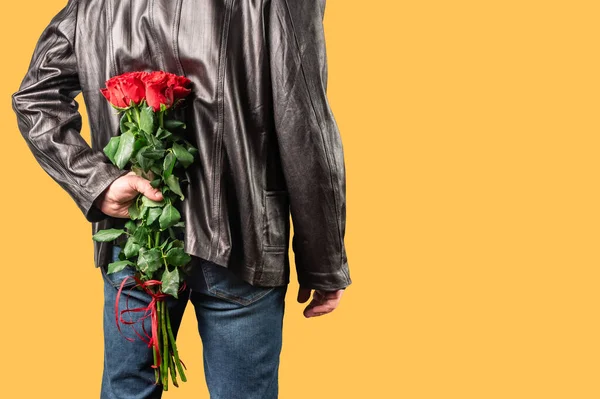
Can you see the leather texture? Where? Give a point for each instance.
(268, 143)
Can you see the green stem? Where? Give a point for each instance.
(156, 373)
(173, 371)
(175, 352)
(161, 120)
(157, 238)
(165, 317)
(159, 341)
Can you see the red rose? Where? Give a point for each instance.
(164, 88)
(121, 90)
(178, 83)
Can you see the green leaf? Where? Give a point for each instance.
(151, 203)
(173, 183)
(107, 235)
(165, 242)
(169, 216)
(149, 261)
(156, 182)
(147, 120)
(183, 155)
(170, 282)
(168, 165)
(137, 170)
(180, 224)
(153, 153)
(111, 148)
(124, 150)
(144, 162)
(131, 226)
(132, 248)
(172, 124)
(177, 257)
(153, 214)
(143, 210)
(156, 169)
(141, 235)
(148, 137)
(178, 243)
(134, 210)
(193, 151)
(118, 266)
(131, 125)
(139, 143)
(123, 123)
(162, 134)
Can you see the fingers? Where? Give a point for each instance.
(143, 186)
(303, 294)
(323, 302)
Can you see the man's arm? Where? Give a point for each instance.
(50, 122)
(309, 141)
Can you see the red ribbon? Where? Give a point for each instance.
(148, 311)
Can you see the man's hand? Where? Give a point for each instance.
(323, 302)
(115, 200)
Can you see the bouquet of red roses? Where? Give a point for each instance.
(151, 145)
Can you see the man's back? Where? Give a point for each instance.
(268, 142)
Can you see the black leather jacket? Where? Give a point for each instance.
(258, 113)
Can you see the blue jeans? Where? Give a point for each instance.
(240, 326)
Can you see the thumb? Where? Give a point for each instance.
(143, 186)
(303, 294)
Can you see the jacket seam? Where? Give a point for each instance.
(159, 52)
(175, 34)
(262, 21)
(325, 147)
(220, 126)
(109, 20)
(263, 237)
(73, 44)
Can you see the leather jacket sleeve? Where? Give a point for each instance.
(48, 117)
(309, 141)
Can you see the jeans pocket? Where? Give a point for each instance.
(221, 282)
(116, 279)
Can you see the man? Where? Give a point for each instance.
(268, 146)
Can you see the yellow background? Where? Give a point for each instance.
(471, 135)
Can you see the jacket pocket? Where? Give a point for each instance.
(276, 219)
